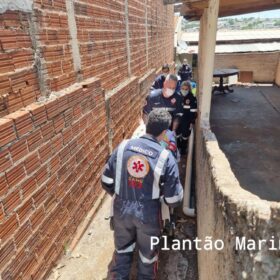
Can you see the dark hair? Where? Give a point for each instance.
(158, 120)
(171, 77)
(165, 66)
(186, 83)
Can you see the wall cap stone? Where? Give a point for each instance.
(16, 5)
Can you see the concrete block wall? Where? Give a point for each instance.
(72, 73)
(225, 211)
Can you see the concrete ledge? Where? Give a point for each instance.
(16, 5)
(226, 211)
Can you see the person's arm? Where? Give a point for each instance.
(190, 72)
(172, 189)
(175, 123)
(147, 109)
(157, 83)
(193, 109)
(180, 72)
(178, 113)
(108, 175)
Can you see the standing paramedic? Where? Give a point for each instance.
(185, 71)
(158, 82)
(138, 173)
(189, 104)
(166, 98)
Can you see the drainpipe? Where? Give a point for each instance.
(187, 190)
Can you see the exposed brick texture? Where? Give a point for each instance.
(50, 187)
(102, 40)
(18, 80)
(124, 105)
(52, 149)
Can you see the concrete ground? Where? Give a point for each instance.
(246, 123)
(93, 253)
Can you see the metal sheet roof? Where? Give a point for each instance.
(236, 48)
(232, 35)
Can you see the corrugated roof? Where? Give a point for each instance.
(232, 35)
(236, 48)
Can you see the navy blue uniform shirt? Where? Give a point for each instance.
(172, 104)
(158, 83)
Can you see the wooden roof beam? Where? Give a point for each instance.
(237, 7)
(193, 9)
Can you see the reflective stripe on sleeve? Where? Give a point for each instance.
(175, 198)
(119, 166)
(146, 260)
(129, 249)
(158, 172)
(107, 180)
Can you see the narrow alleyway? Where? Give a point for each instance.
(92, 255)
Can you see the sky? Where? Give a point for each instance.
(265, 14)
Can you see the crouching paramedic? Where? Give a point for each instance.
(138, 173)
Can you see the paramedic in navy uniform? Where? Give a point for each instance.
(138, 173)
(167, 99)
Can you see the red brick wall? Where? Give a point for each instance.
(161, 33)
(124, 105)
(52, 151)
(18, 80)
(54, 43)
(51, 160)
(102, 40)
(102, 45)
(137, 32)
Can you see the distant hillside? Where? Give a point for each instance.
(236, 24)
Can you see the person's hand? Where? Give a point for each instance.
(145, 118)
(175, 125)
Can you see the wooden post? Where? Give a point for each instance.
(207, 44)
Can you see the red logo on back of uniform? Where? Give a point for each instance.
(138, 166)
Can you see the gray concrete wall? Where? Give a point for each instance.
(226, 211)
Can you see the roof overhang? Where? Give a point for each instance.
(193, 9)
